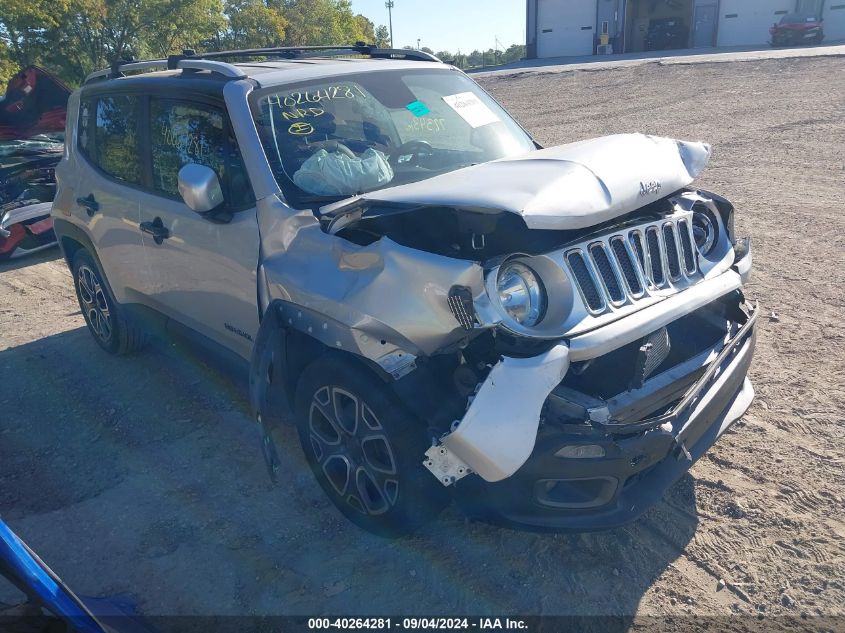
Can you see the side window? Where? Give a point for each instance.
(115, 139)
(183, 133)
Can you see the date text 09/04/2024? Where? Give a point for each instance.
(417, 623)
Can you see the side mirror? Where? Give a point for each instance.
(199, 187)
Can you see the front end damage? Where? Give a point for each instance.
(636, 363)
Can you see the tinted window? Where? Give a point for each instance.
(115, 139)
(183, 133)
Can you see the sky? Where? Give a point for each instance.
(450, 24)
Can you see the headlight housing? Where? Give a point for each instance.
(521, 293)
(705, 229)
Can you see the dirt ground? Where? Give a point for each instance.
(142, 476)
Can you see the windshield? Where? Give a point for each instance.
(797, 19)
(340, 136)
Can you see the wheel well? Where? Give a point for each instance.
(302, 350)
(70, 247)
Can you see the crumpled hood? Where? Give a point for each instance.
(565, 187)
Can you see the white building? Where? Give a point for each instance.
(557, 28)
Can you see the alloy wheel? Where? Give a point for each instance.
(353, 451)
(95, 305)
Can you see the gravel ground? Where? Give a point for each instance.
(142, 476)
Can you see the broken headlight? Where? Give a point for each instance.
(705, 229)
(521, 293)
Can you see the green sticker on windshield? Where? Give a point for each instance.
(418, 108)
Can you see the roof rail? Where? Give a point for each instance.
(119, 68)
(190, 60)
(296, 52)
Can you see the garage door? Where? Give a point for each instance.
(747, 22)
(834, 20)
(565, 27)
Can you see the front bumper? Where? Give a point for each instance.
(579, 494)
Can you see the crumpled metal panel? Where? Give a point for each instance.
(498, 432)
(567, 187)
(381, 292)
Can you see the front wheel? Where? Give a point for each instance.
(364, 448)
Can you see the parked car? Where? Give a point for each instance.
(795, 29)
(666, 34)
(32, 121)
(441, 307)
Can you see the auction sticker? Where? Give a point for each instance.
(418, 108)
(471, 109)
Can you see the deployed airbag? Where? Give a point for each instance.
(335, 173)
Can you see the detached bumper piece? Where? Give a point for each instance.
(600, 460)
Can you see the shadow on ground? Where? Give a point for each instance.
(142, 476)
(47, 255)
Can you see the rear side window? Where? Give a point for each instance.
(108, 135)
(183, 133)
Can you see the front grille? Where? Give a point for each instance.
(671, 251)
(629, 271)
(586, 282)
(607, 272)
(686, 246)
(620, 268)
(655, 258)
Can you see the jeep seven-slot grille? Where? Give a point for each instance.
(671, 252)
(586, 282)
(655, 258)
(607, 272)
(629, 271)
(686, 246)
(618, 268)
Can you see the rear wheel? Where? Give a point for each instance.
(364, 448)
(105, 318)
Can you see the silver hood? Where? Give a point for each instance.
(565, 187)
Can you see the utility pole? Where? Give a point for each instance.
(389, 5)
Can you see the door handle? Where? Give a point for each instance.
(157, 229)
(90, 203)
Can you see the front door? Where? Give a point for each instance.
(704, 33)
(202, 267)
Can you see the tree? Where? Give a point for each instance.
(321, 22)
(253, 24)
(382, 37)
(366, 29)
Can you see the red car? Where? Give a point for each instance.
(32, 120)
(795, 29)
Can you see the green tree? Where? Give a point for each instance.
(74, 37)
(321, 22)
(366, 29)
(382, 37)
(254, 24)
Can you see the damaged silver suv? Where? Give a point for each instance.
(444, 309)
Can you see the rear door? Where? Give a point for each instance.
(565, 28)
(203, 273)
(109, 186)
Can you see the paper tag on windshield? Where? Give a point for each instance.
(471, 109)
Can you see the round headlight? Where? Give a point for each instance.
(521, 293)
(705, 229)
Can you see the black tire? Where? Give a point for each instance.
(365, 449)
(106, 319)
